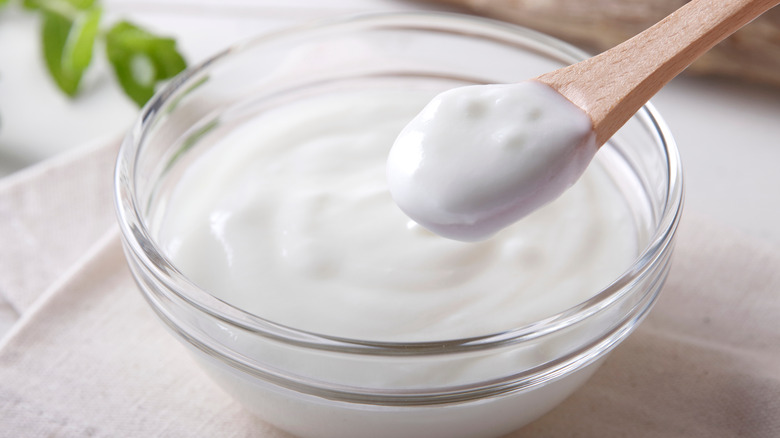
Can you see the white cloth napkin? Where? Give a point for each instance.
(83, 355)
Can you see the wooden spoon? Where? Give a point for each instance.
(462, 181)
(614, 85)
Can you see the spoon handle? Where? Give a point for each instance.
(614, 85)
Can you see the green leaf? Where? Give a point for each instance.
(141, 60)
(67, 46)
(82, 4)
(3, 2)
(61, 6)
(81, 40)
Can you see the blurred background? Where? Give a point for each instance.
(728, 129)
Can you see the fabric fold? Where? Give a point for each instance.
(50, 214)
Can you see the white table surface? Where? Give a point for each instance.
(728, 132)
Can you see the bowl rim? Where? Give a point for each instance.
(138, 239)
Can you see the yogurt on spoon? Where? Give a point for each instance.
(477, 159)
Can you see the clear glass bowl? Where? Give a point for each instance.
(316, 385)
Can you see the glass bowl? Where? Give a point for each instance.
(312, 384)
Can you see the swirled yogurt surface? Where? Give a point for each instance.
(289, 217)
(478, 158)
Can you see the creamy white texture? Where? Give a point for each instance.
(289, 217)
(478, 158)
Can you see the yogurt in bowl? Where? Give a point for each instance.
(256, 218)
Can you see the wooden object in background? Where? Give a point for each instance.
(752, 53)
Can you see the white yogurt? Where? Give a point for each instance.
(289, 217)
(478, 158)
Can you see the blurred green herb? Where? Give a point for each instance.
(69, 31)
(141, 59)
(67, 46)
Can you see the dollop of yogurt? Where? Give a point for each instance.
(288, 217)
(478, 158)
